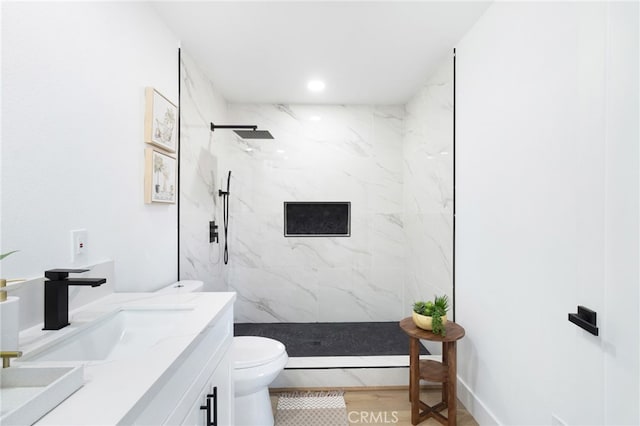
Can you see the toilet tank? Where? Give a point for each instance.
(183, 286)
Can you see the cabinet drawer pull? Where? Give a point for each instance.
(208, 408)
(215, 406)
(212, 398)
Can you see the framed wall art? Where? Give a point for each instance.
(159, 177)
(160, 121)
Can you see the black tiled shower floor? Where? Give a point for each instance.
(333, 338)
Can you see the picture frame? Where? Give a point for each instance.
(159, 177)
(160, 121)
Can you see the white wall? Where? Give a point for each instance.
(73, 79)
(622, 216)
(547, 212)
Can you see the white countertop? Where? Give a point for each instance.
(112, 388)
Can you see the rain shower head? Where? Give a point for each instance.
(254, 134)
(251, 133)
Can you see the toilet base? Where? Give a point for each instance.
(254, 409)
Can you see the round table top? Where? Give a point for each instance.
(453, 331)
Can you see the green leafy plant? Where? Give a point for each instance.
(436, 310)
(2, 256)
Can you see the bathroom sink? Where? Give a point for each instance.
(118, 335)
(28, 393)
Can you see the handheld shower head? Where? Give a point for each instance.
(220, 191)
(225, 217)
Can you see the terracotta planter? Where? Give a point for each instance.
(424, 322)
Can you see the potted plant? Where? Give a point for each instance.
(432, 315)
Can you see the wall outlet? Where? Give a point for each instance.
(557, 421)
(79, 245)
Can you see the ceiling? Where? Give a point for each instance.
(366, 52)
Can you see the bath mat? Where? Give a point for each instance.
(326, 408)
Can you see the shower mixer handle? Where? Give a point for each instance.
(213, 232)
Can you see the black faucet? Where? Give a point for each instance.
(56, 295)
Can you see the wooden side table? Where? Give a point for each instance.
(443, 372)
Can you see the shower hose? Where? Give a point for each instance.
(225, 218)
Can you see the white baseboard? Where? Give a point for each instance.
(475, 406)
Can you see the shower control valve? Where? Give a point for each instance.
(213, 232)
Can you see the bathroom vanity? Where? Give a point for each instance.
(148, 359)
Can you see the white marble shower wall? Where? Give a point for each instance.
(428, 188)
(320, 153)
(200, 154)
(394, 164)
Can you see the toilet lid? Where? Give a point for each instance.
(251, 351)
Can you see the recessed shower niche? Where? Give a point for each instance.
(317, 219)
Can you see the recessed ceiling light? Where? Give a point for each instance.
(314, 118)
(316, 85)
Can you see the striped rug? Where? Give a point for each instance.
(323, 408)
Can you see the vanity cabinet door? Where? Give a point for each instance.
(222, 379)
(214, 406)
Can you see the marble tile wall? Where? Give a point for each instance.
(428, 188)
(393, 163)
(200, 103)
(320, 153)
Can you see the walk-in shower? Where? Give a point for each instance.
(332, 296)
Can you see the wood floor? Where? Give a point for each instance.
(380, 407)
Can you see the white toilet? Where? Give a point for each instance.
(257, 362)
